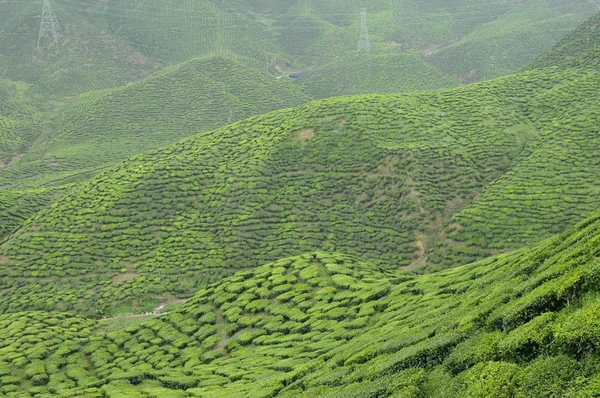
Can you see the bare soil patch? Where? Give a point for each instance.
(305, 134)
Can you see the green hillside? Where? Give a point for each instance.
(504, 45)
(178, 219)
(19, 118)
(328, 325)
(174, 31)
(108, 44)
(553, 184)
(86, 58)
(18, 206)
(313, 30)
(579, 49)
(102, 127)
(105, 44)
(392, 73)
(422, 180)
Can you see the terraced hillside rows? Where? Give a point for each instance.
(579, 49)
(313, 30)
(100, 128)
(392, 73)
(329, 325)
(374, 176)
(507, 44)
(18, 206)
(107, 43)
(550, 186)
(85, 58)
(19, 119)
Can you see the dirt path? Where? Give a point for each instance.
(157, 311)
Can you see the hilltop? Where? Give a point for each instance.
(330, 325)
(504, 45)
(86, 58)
(105, 47)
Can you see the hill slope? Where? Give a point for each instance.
(107, 43)
(504, 45)
(86, 58)
(392, 73)
(375, 176)
(328, 325)
(100, 128)
(578, 50)
(19, 119)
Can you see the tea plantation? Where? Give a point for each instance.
(104, 44)
(85, 58)
(19, 118)
(328, 325)
(504, 45)
(179, 218)
(577, 50)
(420, 180)
(391, 73)
(102, 127)
(108, 44)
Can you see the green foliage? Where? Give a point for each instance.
(371, 176)
(385, 73)
(579, 49)
(506, 44)
(100, 128)
(345, 328)
(425, 179)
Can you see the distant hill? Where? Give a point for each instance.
(579, 49)
(86, 57)
(392, 73)
(102, 127)
(109, 45)
(507, 44)
(329, 325)
(106, 44)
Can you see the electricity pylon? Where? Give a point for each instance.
(49, 23)
(364, 44)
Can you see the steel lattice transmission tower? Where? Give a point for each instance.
(49, 23)
(364, 44)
